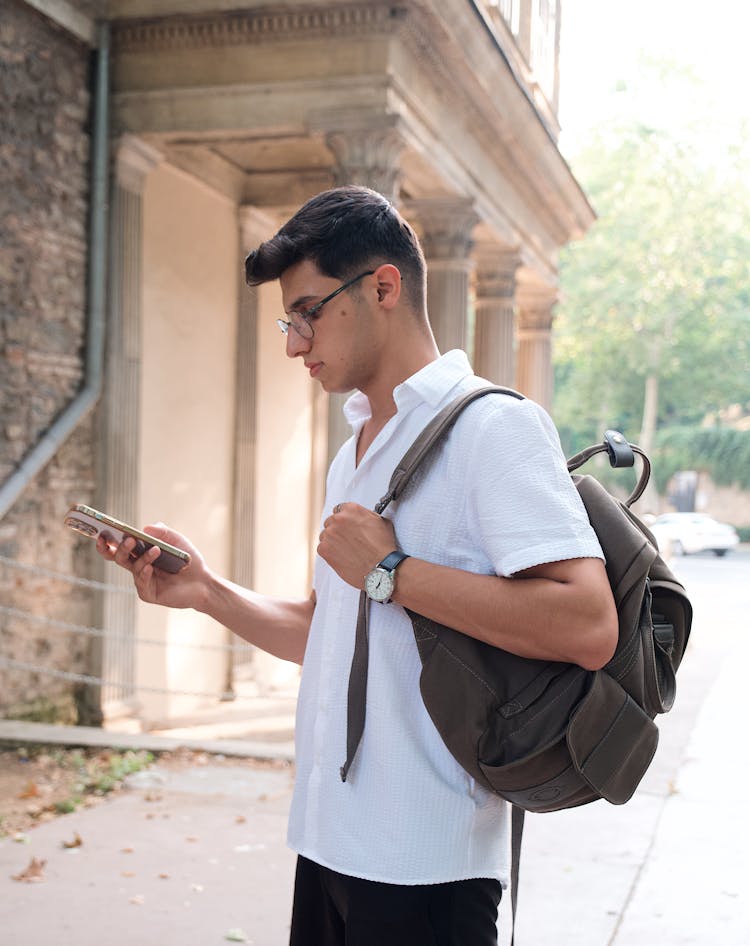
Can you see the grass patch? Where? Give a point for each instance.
(38, 782)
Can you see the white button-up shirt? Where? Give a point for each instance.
(496, 498)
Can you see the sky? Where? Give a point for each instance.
(601, 41)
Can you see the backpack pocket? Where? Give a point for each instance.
(607, 721)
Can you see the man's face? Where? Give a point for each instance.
(342, 352)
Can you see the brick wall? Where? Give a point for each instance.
(44, 154)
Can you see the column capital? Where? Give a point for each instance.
(446, 225)
(134, 160)
(496, 268)
(368, 156)
(535, 303)
(255, 225)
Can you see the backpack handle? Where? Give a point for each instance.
(621, 454)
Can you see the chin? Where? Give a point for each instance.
(332, 388)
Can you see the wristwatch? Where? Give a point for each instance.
(379, 583)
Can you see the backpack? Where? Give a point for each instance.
(547, 735)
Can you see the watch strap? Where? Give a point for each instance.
(392, 560)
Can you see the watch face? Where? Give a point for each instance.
(379, 584)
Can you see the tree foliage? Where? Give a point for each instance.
(722, 452)
(659, 288)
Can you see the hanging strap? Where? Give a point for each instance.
(427, 439)
(357, 698)
(516, 836)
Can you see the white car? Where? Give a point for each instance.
(682, 533)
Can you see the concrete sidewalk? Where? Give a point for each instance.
(190, 858)
(197, 857)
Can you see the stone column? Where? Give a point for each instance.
(253, 227)
(133, 160)
(445, 225)
(368, 156)
(495, 328)
(534, 372)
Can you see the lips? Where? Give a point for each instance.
(313, 367)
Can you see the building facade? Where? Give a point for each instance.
(220, 120)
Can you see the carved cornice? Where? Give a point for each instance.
(245, 27)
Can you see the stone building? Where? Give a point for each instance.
(215, 120)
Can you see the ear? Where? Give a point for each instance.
(388, 279)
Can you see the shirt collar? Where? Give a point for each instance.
(430, 385)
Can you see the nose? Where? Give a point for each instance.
(296, 344)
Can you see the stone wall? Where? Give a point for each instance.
(726, 503)
(44, 168)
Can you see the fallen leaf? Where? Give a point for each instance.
(164, 875)
(198, 888)
(191, 839)
(33, 873)
(76, 842)
(127, 873)
(240, 819)
(21, 838)
(236, 936)
(127, 850)
(138, 900)
(31, 791)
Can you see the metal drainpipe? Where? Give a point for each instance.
(64, 425)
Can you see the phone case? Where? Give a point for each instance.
(92, 523)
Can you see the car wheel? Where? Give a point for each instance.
(720, 552)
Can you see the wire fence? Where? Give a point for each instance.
(111, 639)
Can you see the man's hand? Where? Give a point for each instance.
(185, 589)
(354, 540)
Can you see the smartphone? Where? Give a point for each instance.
(92, 523)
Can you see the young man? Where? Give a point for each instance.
(408, 850)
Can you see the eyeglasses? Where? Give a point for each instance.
(301, 322)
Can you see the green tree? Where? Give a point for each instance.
(653, 328)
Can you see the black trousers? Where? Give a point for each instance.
(332, 909)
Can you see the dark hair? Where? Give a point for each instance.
(343, 231)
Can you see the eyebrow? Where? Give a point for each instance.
(301, 301)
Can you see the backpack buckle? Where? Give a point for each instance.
(619, 450)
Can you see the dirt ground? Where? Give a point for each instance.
(39, 783)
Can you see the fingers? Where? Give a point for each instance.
(160, 531)
(123, 554)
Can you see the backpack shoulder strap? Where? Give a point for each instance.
(430, 436)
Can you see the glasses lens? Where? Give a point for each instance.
(301, 326)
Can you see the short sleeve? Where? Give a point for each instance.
(522, 502)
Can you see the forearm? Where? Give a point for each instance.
(567, 614)
(276, 625)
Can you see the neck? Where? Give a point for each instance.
(404, 360)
